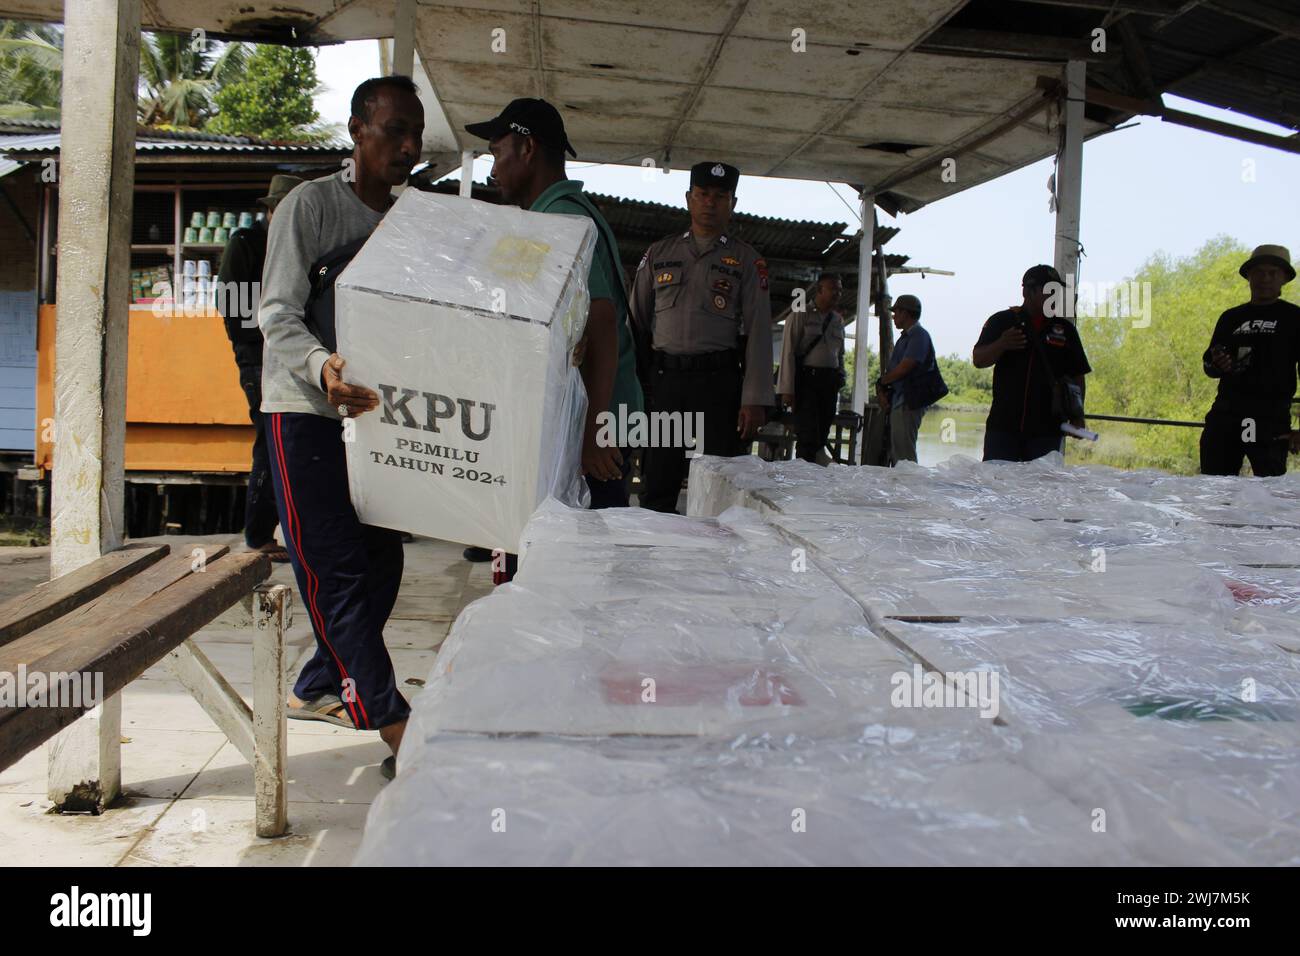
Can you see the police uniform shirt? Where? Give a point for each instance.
(1264, 343)
(1022, 393)
(801, 332)
(689, 302)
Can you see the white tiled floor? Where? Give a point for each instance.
(188, 795)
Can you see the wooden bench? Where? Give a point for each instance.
(101, 626)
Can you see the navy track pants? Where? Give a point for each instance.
(348, 573)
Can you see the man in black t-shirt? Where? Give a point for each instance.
(1254, 353)
(239, 279)
(1022, 425)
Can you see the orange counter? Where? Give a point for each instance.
(185, 410)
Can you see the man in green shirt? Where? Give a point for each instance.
(528, 143)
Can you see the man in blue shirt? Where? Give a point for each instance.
(897, 389)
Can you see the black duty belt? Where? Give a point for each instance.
(707, 361)
(817, 370)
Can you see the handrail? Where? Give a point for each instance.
(1155, 421)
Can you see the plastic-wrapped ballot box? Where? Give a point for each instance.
(463, 315)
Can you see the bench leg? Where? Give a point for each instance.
(272, 615)
(84, 771)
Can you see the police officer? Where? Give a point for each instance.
(812, 366)
(703, 325)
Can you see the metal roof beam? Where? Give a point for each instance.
(1144, 8)
(1290, 144)
(1250, 11)
(1000, 44)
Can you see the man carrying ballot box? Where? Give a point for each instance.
(348, 573)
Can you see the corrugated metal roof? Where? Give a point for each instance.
(36, 136)
(638, 219)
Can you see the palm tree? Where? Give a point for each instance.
(31, 70)
(181, 75)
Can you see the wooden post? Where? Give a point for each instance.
(861, 374)
(271, 618)
(1069, 177)
(101, 64)
(883, 303)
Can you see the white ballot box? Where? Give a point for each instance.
(463, 315)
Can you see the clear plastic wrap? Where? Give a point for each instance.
(1137, 631)
(463, 316)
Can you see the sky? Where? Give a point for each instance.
(1152, 187)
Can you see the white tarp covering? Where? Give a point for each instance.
(1129, 683)
(463, 315)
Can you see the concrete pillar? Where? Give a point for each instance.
(861, 380)
(1069, 177)
(403, 63)
(101, 63)
(403, 59)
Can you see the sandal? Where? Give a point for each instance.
(322, 708)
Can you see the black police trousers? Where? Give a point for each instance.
(713, 392)
(816, 399)
(1223, 447)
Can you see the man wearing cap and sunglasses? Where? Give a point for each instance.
(702, 322)
(1035, 357)
(240, 271)
(1254, 353)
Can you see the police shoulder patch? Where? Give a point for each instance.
(761, 266)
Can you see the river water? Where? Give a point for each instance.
(945, 432)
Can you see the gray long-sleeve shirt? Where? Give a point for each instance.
(689, 302)
(313, 219)
(802, 332)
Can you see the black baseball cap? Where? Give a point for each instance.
(527, 117)
(715, 174)
(1039, 275)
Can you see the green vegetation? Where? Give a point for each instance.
(273, 98)
(186, 83)
(968, 386)
(31, 68)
